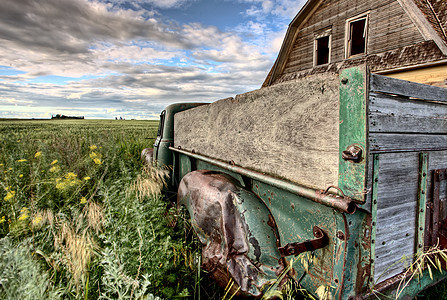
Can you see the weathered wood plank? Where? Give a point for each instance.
(392, 213)
(437, 160)
(396, 212)
(391, 142)
(289, 130)
(386, 266)
(388, 85)
(397, 114)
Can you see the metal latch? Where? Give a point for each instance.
(352, 153)
(321, 240)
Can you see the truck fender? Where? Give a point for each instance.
(236, 229)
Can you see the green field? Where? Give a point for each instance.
(81, 218)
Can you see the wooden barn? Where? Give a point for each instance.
(404, 39)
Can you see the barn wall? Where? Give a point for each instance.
(289, 130)
(389, 28)
(436, 75)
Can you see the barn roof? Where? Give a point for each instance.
(436, 13)
(429, 16)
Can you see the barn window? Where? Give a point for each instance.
(356, 32)
(322, 48)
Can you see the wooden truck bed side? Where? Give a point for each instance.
(289, 130)
(407, 143)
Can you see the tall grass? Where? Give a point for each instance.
(81, 218)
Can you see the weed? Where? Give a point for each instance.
(83, 216)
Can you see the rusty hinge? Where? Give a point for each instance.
(321, 240)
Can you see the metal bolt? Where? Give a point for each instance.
(373, 241)
(421, 228)
(424, 174)
(376, 180)
(341, 235)
(420, 245)
(422, 210)
(374, 223)
(344, 80)
(422, 192)
(375, 201)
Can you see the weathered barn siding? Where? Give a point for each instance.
(420, 53)
(389, 28)
(290, 130)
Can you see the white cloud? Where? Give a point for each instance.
(130, 61)
(155, 3)
(282, 8)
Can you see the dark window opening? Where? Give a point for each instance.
(162, 122)
(357, 34)
(322, 50)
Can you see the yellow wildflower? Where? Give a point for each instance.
(1, 165)
(55, 169)
(23, 217)
(37, 220)
(69, 180)
(23, 214)
(2, 220)
(9, 195)
(21, 175)
(54, 162)
(97, 161)
(93, 155)
(83, 200)
(71, 176)
(93, 147)
(21, 160)
(87, 178)
(38, 154)
(60, 185)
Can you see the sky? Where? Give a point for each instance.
(116, 58)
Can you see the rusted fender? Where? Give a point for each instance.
(239, 236)
(147, 156)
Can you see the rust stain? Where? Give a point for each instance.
(271, 222)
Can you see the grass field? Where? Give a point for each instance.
(81, 218)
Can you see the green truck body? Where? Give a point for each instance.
(346, 169)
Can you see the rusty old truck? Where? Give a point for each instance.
(348, 170)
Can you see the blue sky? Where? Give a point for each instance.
(112, 58)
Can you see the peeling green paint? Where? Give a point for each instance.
(353, 131)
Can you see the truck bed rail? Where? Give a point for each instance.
(341, 203)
